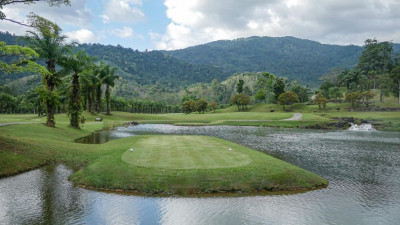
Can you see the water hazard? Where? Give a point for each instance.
(363, 169)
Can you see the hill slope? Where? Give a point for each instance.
(141, 67)
(299, 59)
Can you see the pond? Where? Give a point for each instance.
(363, 169)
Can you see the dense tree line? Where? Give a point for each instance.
(377, 69)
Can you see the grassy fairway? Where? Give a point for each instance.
(200, 164)
(184, 169)
(184, 152)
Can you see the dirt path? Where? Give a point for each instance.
(295, 117)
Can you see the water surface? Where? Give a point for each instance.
(363, 169)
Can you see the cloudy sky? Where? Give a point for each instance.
(175, 24)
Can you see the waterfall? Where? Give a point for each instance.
(362, 127)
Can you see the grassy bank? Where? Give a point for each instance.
(192, 165)
(186, 165)
(256, 115)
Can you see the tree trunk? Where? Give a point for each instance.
(98, 99)
(51, 107)
(91, 102)
(381, 95)
(108, 99)
(50, 84)
(75, 108)
(399, 91)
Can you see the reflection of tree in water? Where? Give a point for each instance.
(61, 201)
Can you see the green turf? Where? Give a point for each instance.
(24, 147)
(184, 152)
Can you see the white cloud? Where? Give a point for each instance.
(76, 15)
(123, 32)
(330, 21)
(82, 36)
(123, 10)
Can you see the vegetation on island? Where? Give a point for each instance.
(73, 84)
(193, 164)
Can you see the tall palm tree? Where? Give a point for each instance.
(76, 64)
(110, 82)
(47, 40)
(93, 79)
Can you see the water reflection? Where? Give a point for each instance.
(363, 170)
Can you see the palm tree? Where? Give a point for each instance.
(110, 82)
(48, 41)
(76, 64)
(92, 80)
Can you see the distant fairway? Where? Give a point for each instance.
(185, 152)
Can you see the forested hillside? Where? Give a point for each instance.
(298, 59)
(154, 67)
(144, 68)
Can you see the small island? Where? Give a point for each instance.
(183, 165)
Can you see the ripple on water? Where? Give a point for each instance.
(363, 170)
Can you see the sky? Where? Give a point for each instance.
(177, 24)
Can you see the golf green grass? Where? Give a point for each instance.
(162, 164)
(185, 152)
(191, 165)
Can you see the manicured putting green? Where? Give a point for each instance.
(185, 152)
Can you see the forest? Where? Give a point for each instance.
(43, 73)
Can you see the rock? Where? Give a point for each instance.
(348, 119)
(134, 123)
(99, 119)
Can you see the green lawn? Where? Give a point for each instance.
(185, 152)
(192, 164)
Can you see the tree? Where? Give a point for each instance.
(27, 2)
(264, 83)
(288, 98)
(110, 82)
(241, 100)
(395, 75)
(201, 105)
(353, 97)
(189, 106)
(385, 83)
(377, 56)
(76, 64)
(368, 95)
(279, 87)
(239, 86)
(92, 79)
(23, 63)
(301, 91)
(47, 40)
(213, 105)
(325, 88)
(335, 93)
(320, 100)
(260, 95)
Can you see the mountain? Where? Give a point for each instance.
(143, 68)
(154, 66)
(295, 58)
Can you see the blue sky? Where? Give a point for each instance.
(175, 24)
